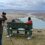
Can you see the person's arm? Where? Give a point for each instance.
(3, 18)
(29, 22)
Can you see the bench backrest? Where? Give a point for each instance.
(18, 25)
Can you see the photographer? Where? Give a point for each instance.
(2, 21)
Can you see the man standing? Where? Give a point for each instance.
(2, 20)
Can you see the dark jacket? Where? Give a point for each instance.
(2, 20)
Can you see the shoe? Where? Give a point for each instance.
(7, 36)
(29, 38)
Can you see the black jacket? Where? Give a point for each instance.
(2, 20)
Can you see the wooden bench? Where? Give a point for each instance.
(15, 26)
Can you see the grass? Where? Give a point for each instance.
(38, 38)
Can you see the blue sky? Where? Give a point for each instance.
(23, 4)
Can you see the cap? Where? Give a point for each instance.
(3, 13)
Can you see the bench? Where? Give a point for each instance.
(12, 26)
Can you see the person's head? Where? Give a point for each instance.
(29, 18)
(13, 20)
(3, 13)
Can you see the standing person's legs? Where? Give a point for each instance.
(9, 33)
(0, 39)
(30, 34)
(1, 32)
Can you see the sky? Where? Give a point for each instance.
(23, 4)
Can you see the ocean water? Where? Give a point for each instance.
(37, 23)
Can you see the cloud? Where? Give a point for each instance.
(23, 4)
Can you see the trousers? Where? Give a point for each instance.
(0, 39)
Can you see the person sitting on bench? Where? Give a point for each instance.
(29, 22)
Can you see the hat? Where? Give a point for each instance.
(3, 13)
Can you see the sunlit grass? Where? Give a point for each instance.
(38, 38)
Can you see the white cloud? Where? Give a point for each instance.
(22, 4)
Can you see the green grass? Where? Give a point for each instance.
(38, 38)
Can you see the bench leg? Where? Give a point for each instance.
(30, 34)
(9, 32)
(25, 32)
(17, 32)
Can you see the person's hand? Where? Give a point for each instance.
(3, 15)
